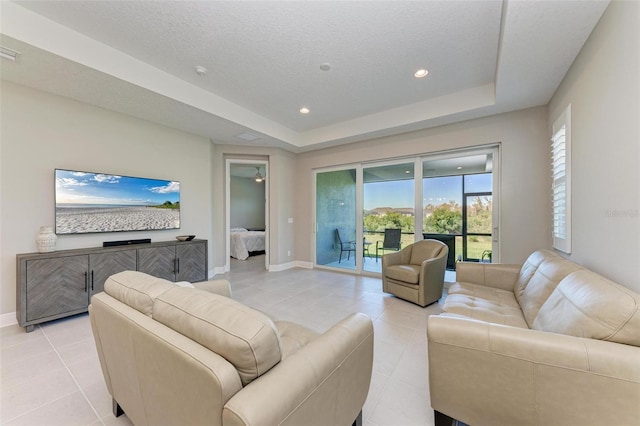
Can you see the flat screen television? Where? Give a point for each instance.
(99, 202)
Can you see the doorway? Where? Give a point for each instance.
(247, 210)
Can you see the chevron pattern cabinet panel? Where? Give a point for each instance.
(56, 285)
(103, 265)
(191, 262)
(158, 261)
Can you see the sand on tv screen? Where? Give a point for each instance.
(99, 202)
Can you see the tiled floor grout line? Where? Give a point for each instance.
(54, 400)
(73, 377)
(37, 408)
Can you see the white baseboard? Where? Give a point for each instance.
(8, 319)
(272, 268)
(217, 270)
(289, 265)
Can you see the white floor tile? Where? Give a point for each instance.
(69, 410)
(32, 393)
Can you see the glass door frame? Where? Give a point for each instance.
(416, 162)
(358, 218)
(493, 149)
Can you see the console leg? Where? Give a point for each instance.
(442, 419)
(29, 328)
(117, 410)
(358, 420)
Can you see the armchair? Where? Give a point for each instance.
(416, 273)
(172, 355)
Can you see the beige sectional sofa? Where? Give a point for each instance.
(172, 355)
(548, 342)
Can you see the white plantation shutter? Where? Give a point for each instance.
(561, 178)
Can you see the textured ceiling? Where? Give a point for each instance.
(263, 60)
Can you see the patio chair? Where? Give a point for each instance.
(391, 241)
(348, 246)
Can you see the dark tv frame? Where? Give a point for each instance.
(121, 211)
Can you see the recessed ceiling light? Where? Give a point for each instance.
(200, 70)
(304, 110)
(325, 67)
(421, 73)
(459, 167)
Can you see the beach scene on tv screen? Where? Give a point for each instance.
(96, 202)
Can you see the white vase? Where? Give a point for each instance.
(46, 240)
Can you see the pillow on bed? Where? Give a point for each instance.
(238, 230)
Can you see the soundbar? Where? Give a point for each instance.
(126, 242)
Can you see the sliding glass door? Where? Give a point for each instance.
(336, 219)
(477, 217)
(388, 194)
(451, 197)
(458, 206)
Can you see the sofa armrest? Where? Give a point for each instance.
(324, 382)
(497, 275)
(221, 287)
(483, 373)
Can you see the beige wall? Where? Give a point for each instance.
(41, 132)
(525, 183)
(603, 88)
(247, 203)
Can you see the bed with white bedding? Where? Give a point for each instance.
(244, 242)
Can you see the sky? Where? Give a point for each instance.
(439, 190)
(94, 188)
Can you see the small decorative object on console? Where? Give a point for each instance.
(46, 239)
(185, 237)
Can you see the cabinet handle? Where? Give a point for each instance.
(92, 280)
(86, 281)
(178, 268)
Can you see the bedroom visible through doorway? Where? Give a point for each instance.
(247, 210)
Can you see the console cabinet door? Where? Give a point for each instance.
(191, 261)
(103, 265)
(56, 286)
(158, 261)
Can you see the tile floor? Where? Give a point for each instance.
(52, 376)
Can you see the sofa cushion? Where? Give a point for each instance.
(529, 268)
(542, 283)
(484, 303)
(426, 249)
(586, 304)
(136, 289)
(406, 273)
(243, 336)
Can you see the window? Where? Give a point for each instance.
(561, 181)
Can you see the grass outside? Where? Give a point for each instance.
(476, 246)
(373, 238)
